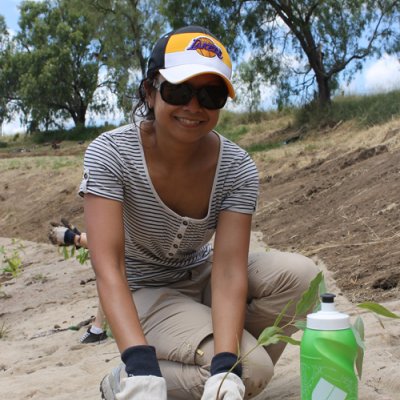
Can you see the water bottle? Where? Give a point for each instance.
(327, 355)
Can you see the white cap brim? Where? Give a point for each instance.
(181, 73)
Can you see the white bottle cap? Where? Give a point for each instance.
(328, 319)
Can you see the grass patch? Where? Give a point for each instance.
(260, 147)
(366, 110)
(41, 162)
(74, 134)
(4, 330)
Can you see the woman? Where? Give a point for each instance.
(155, 192)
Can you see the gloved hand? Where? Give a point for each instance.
(144, 381)
(143, 388)
(227, 386)
(232, 387)
(63, 234)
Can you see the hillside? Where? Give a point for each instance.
(334, 194)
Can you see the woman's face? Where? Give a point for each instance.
(189, 122)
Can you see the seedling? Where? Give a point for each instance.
(13, 262)
(82, 255)
(310, 300)
(4, 331)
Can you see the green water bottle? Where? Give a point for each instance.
(327, 355)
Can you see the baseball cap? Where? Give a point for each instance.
(187, 52)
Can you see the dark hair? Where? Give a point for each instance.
(141, 109)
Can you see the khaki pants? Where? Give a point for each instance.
(177, 320)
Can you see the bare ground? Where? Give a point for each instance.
(333, 195)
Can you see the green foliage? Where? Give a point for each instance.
(124, 51)
(259, 147)
(3, 145)
(378, 309)
(79, 133)
(359, 334)
(301, 47)
(4, 331)
(11, 262)
(366, 110)
(56, 74)
(82, 255)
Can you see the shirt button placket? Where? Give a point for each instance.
(178, 238)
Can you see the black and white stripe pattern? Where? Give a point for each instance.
(162, 246)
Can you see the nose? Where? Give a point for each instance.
(193, 104)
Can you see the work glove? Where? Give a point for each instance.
(142, 388)
(225, 380)
(144, 381)
(232, 387)
(63, 234)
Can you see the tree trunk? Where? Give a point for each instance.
(79, 116)
(324, 91)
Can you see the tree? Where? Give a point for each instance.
(302, 45)
(127, 33)
(59, 74)
(8, 72)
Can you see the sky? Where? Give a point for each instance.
(378, 75)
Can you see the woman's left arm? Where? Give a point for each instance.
(229, 282)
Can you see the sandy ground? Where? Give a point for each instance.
(42, 359)
(333, 196)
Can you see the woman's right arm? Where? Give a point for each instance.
(105, 235)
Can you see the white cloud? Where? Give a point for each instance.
(378, 76)
(11, 128)
(383, 75)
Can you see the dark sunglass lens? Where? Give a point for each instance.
(213, 97)
(176, 94)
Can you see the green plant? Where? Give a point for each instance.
(82, 255)
(4, 331)
(13, 262)
(260, 147)
(310, 300)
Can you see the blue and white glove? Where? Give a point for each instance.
(63, 234)
(229, 386)
(144, 381)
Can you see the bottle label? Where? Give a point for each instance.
(326, 391)
(324, 383)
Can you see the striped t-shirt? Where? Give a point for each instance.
(160, 245)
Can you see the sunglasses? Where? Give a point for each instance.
(212, 97)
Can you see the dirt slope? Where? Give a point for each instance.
(335, 195)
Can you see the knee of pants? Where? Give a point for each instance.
(258, 370)
(305, 270)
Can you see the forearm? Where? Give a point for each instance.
(229, 294)
(119, 309)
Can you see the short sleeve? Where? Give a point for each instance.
(243, 194)
(103, 170)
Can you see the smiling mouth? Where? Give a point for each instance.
(189, 122)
